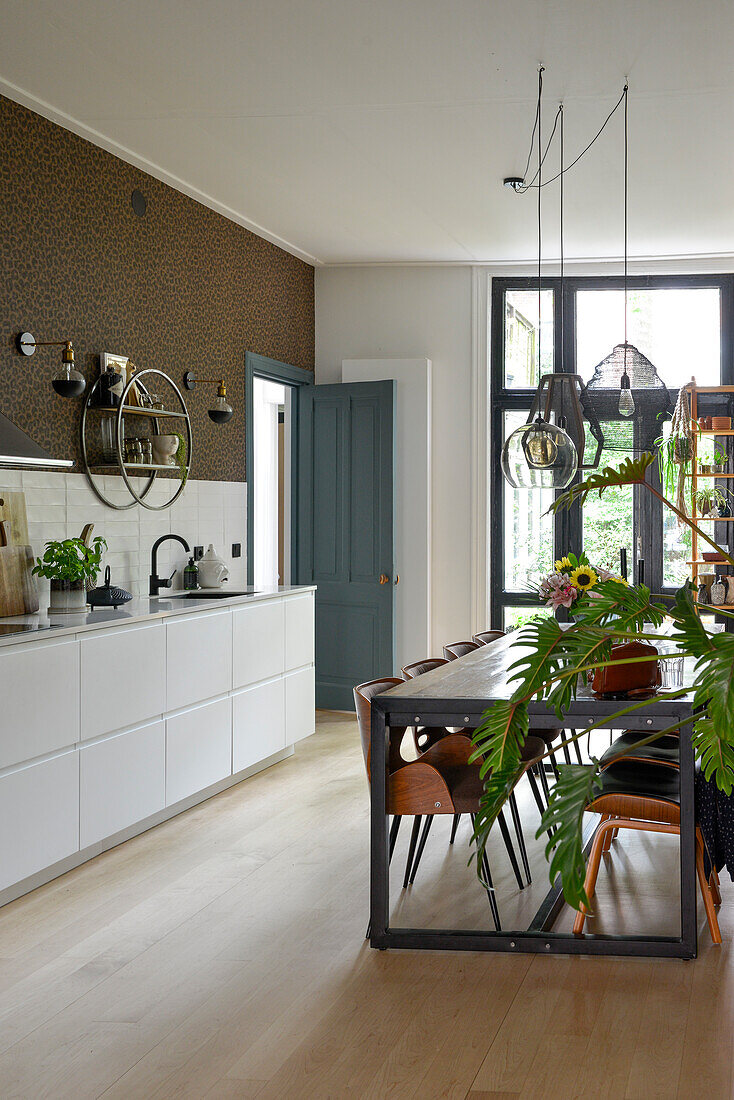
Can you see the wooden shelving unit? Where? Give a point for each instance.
(697, 562)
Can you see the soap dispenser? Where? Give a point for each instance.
(191, 576)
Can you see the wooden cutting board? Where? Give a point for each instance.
(18, 593)
(12, 510)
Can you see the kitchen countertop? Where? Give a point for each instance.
(138, 610)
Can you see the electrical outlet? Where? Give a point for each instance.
(198, 553)
(236, 549)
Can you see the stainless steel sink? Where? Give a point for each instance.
(213, 595)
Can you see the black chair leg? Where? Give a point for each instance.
(454, 827)
(510, 850)
(544, 783)
(411, 849)
(520, 838)
(553, 764)
(424, 837)
(490, 889)
(578, 749)
(566, 752)
(394, 828)
(536, 796)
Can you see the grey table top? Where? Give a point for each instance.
(483, 676)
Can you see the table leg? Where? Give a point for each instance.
(379, 854)
(688, 923)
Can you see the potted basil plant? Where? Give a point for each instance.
(67, 565)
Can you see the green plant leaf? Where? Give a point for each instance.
(617, 605)
(631, 471)
(498, 740)
(576, 786)
(541, 638)
(498, 786)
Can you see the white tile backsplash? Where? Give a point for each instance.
(59, 504)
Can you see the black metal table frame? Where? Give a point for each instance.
(538, 938)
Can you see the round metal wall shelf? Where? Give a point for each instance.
(128, 470)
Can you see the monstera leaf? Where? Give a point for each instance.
(575, 788)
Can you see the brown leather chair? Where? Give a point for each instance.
(418, 668)
(440, 781)
(458, 649)
(484, 637)
(639, 794)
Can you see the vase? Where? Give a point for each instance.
(67, 597)
(718, 592)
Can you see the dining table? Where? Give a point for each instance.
(456, 695)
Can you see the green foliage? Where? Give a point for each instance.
(70, 560)
(181, 456)
(575, 788)
(630, 472)
(549, 666)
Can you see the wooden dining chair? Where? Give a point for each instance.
(419, 788)
(644, 796)
(440, 781)
(484, 637)
(418, 668)
(458, 649)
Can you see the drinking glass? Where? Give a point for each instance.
(672, 672)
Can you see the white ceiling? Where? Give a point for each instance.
(380, 130)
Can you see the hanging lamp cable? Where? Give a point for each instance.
(520, 189)
(626, 195)
(540, 233)
(560, 223)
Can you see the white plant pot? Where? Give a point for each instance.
(67, 598)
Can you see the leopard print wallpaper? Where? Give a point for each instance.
(181, 288)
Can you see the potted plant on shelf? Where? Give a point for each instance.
(711, 501)
(554, 660)
(68, 565)
(720, 460)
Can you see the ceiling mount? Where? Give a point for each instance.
(513, 182)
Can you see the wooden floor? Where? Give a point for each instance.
(222, 954)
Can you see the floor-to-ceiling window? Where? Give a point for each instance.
(683, 325)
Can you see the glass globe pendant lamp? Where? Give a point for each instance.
(539, 455)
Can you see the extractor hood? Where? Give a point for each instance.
(18, 449)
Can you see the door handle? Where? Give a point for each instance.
(384, 579)
(397, 578)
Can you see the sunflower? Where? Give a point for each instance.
(583, 578)
(562, 565)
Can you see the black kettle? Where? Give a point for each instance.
(107, 595)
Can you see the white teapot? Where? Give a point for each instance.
(212, 570)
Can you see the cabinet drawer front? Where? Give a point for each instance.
(123, 780)
(258, 642)
(198, 749)
(299, 631)
(39, 689)
(39, 817)
(198, 658)
(300, 709)
(123, 678)
(258, 724)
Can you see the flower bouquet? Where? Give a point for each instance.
(572, 580)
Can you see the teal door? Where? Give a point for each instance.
(345, 538)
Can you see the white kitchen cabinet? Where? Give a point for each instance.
(39, 816)
(39, 700)
(122, 781)
(198, 749)
(300, 714)
(258, 642)
(123, 677)
(299, 631)
(198, 658)
(258, 723)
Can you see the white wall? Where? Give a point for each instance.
(405, 313)
(59, 504)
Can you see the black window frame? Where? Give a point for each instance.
(568, 525)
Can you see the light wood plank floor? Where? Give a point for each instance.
(222, 954)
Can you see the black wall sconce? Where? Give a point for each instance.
(67, 381)
(220, 412)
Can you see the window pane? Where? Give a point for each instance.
(522, 338)
(677, 329)
(515, 617)
(608, 523)
(528, 530)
